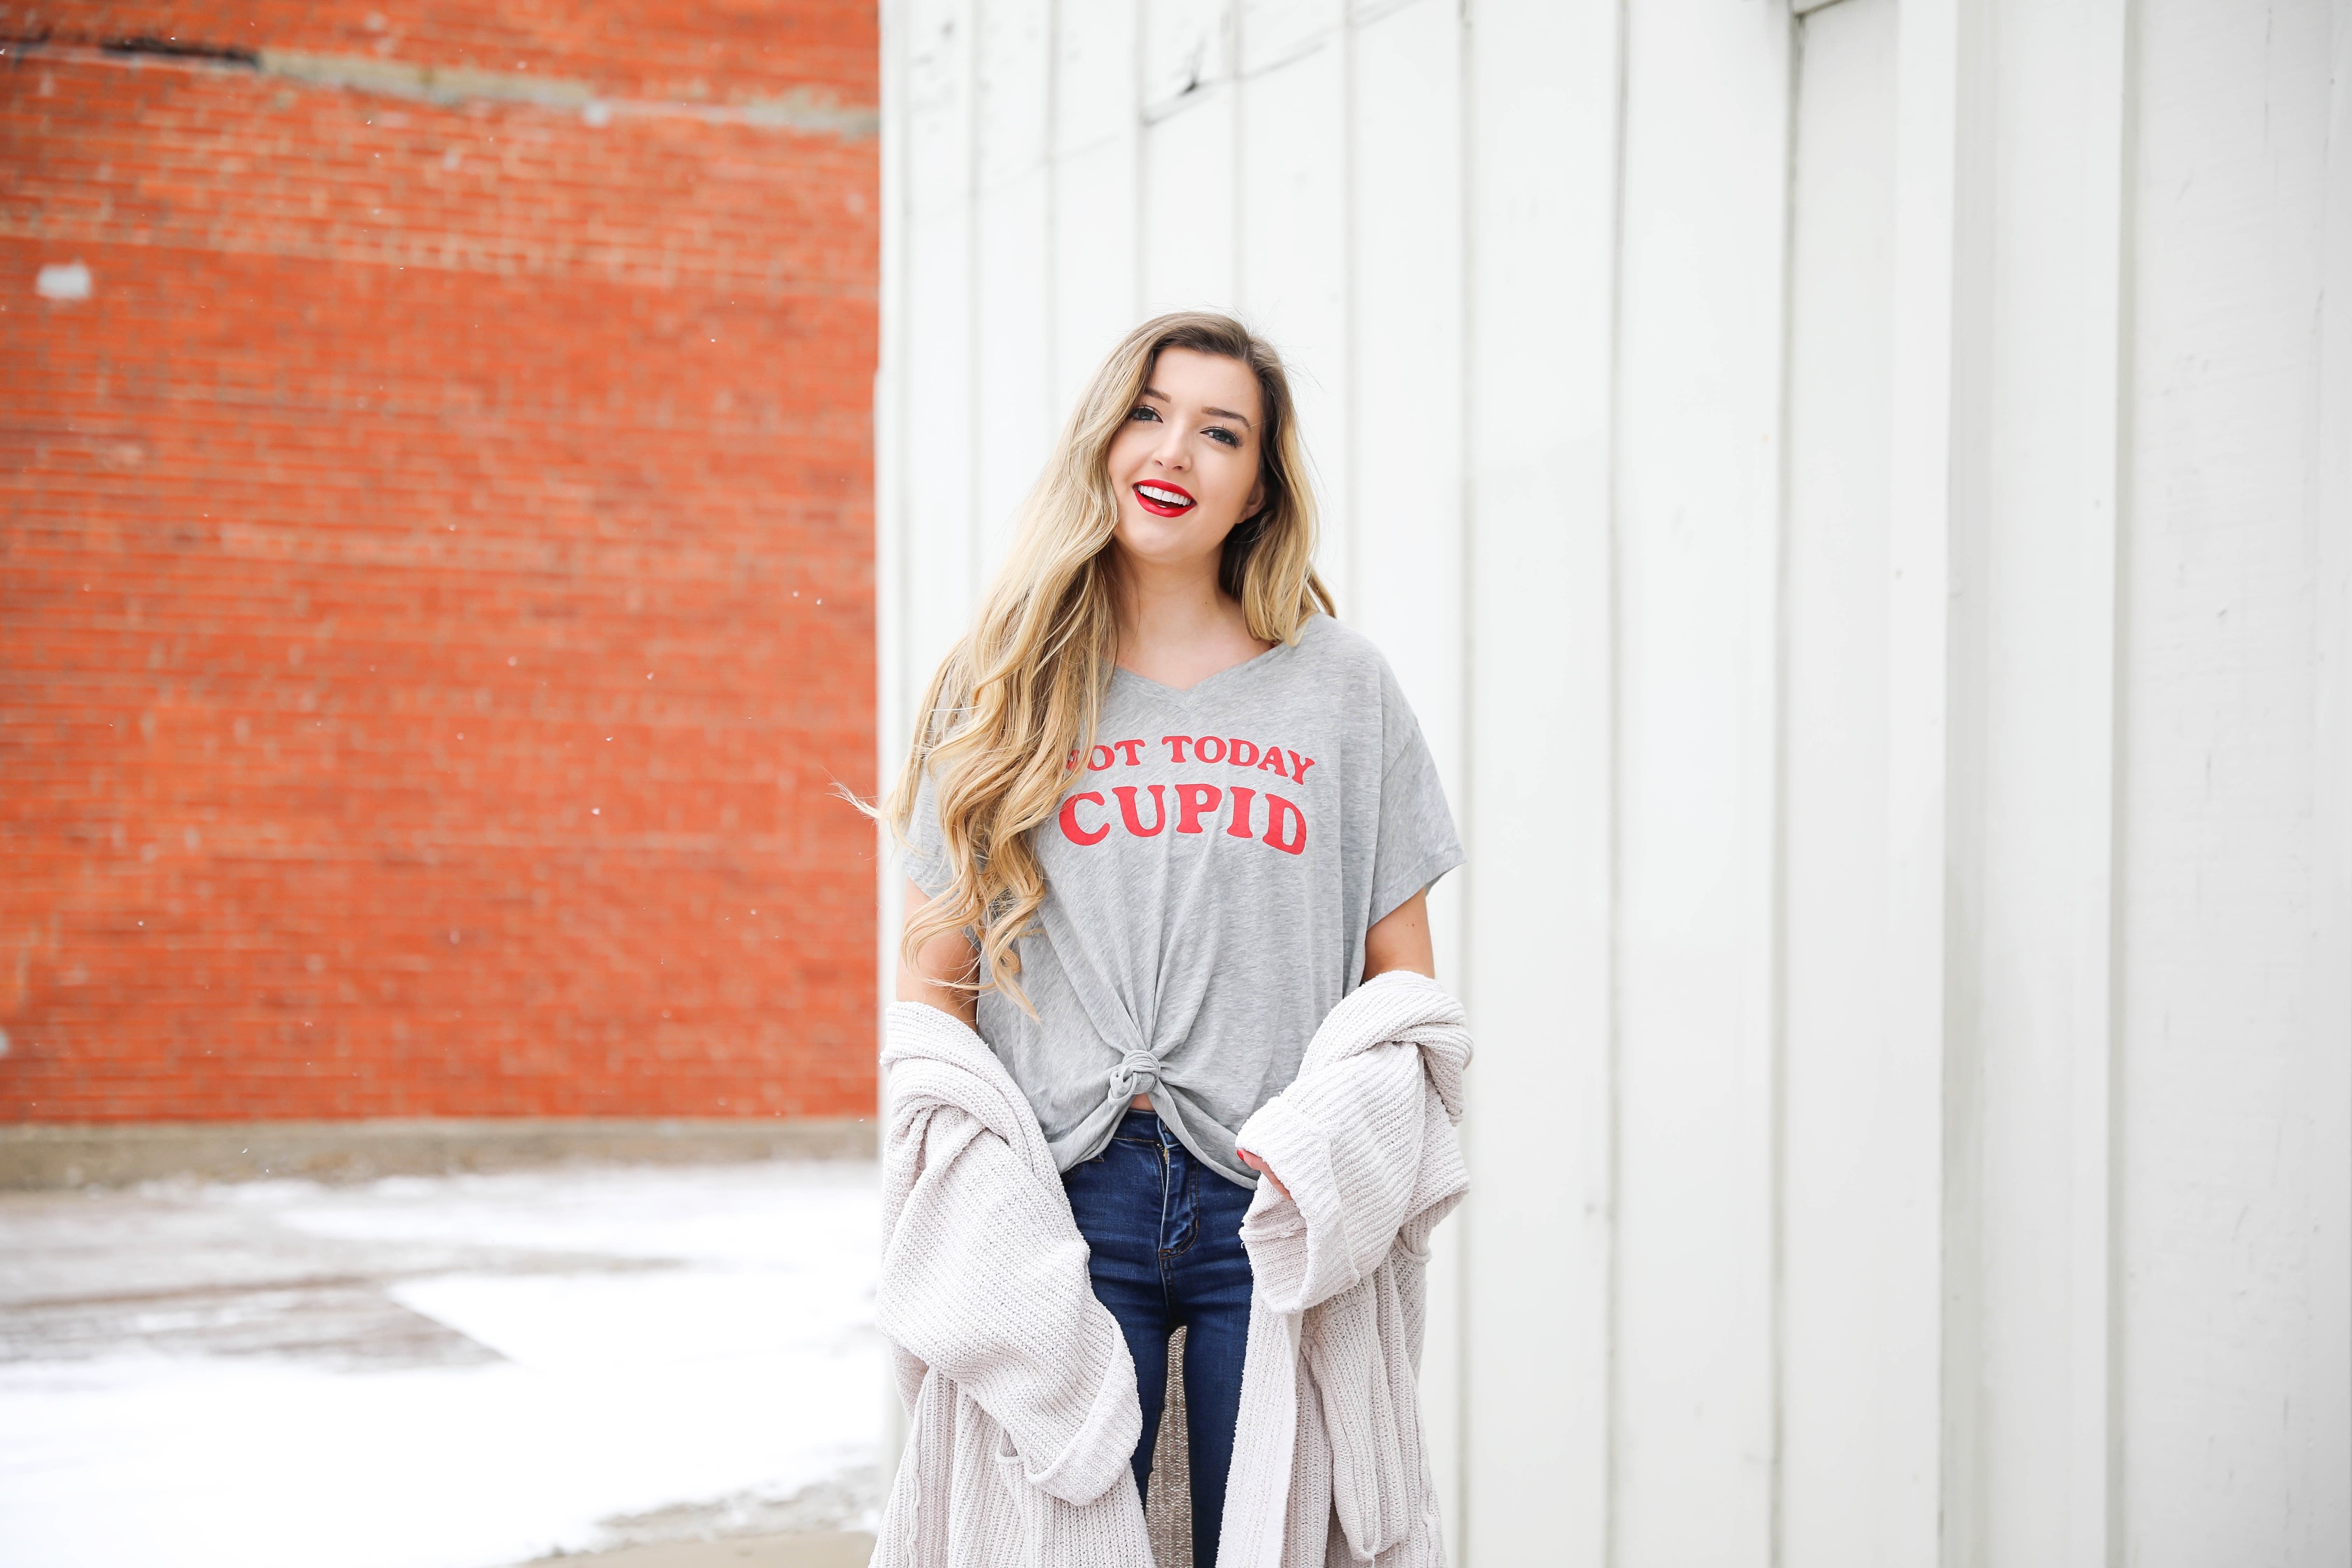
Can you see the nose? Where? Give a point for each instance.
(1172, 452)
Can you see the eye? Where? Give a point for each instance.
(1143, 412)
(1219, 433)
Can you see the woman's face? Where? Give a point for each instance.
(1185, 464)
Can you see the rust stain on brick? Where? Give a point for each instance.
(802, 109)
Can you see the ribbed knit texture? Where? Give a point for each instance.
(1329, 1463)
(1018, 1382)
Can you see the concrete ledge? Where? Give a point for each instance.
(74, 1155)
(825, 1548)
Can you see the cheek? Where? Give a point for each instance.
(1128, 447)
(1233, 474)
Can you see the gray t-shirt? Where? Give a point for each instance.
(1210, 878)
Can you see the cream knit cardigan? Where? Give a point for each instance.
(1018, 1382)
(1329, 1465)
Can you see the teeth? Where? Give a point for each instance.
(1164, 497)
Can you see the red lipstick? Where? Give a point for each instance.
(1158, 505)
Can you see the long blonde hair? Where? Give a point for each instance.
(1020, 694)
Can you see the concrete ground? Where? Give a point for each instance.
(659, 1367)
(815, 1549)
(45, 1156)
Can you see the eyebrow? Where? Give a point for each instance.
(1220, 413)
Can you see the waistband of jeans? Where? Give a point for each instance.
(1135, 1123)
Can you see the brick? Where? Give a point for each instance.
(396, 446)
(744, 50)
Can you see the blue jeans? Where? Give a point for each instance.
(1165, 1232)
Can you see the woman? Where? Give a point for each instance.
(1166, 814)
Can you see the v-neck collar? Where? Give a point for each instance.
(1190, 695)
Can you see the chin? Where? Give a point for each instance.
(1161, 541)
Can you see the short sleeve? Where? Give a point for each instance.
(927, 858)
(1416, 841)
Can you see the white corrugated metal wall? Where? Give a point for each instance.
(1862, 501)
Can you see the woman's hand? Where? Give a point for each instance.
(1263, 1169)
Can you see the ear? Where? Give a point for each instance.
(1256, 501)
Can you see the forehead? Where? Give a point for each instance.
(1190, 378)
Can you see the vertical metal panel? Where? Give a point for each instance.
(2326, 1090)
(1699, 427)
(1406, 458)
(1097, 138)
(1096, 75)
(1013, 333)
(1403, 484)
(1186, 234)
(2039, 599)
(1294, 257)
(889, 423)
(1840, 1504)
(939, 482)
(1926, 1274)
(1541, 154)
(1012, 66)
(891, 678)
(2035, 732)
(1186, 227)
(2224, 1185)
(1013, 417)
(2098, 72)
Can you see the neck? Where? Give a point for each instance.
(1163, 605)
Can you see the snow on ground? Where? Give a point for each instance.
(431, 1373)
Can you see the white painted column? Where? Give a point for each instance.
(1096, 191)
(1294, 258)
(2033, 730)
(2326, 1091)
(1403, 515)
(2233, 1165)
(1843, 1342)
(1697, 488)
(1186, 218)
(937, 376)
(1539, 806)
(1014, 412)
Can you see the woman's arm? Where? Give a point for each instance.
(1401, 941)
(943, 960)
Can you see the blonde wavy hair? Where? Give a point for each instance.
(1019, 695)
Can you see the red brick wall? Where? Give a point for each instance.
(435, 591)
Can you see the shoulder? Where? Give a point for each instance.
(1332, 647)
(1338, 658)
(1351, 676)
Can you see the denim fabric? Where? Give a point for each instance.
(1165, 1232)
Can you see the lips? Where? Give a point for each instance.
(1163, 500)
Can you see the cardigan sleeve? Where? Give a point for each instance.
(977, 1230)
(1346, 1139)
